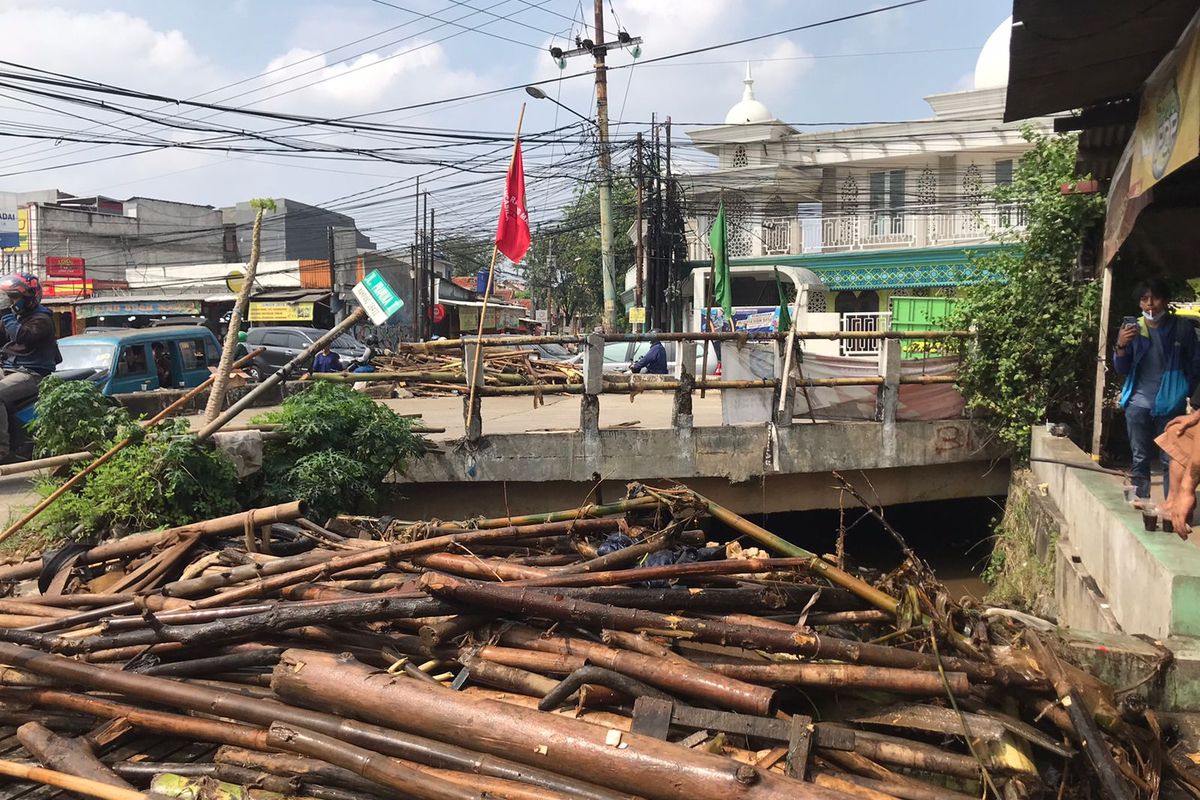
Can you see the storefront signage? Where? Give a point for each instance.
(64, 267)
(67, 289)
(1167, 135)
(280, 311)
(141, 308)
(10, 236)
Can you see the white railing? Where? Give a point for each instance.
(916, 226)
(857, 322)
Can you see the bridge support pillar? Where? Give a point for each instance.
(685, 371)
(593, 385)
(889, 393)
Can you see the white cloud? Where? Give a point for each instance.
(108, 46)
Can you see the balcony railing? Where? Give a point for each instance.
(863, 322)
(836, 232)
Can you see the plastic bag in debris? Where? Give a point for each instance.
(614, 542)
(683, 555)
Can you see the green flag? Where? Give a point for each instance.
(785, 316)
(722, 288)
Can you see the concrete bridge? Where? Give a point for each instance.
(541, 457)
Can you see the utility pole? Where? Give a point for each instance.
(432, 267)
(599, 49)
(426, 306)
(416, 267)
(606, 231)
(640, 258)
(334, 304)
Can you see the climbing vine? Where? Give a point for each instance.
(1034, 321)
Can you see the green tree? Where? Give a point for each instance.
(1035, 325)
(466, 253)
(564, 260)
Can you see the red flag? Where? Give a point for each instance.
(512, 234)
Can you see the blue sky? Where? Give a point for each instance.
(877, 68)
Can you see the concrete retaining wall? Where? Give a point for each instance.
(1150, 581)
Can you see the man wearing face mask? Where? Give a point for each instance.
(28, 347)
(1160, 358)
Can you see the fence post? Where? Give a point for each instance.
(889, 393)
(785, 402)
(472, 412)
(593, 385)
(685, 371)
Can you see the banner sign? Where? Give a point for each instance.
(10, 235)
(1167, 134)
(64, 267)
(141, 308)
(66, 289)
(750, 319)
(269, 311)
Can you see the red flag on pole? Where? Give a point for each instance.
(512, 234)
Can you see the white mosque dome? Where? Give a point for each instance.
(750, 110)
(991, 68)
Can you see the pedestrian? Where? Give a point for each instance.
(28, 349)
(326, 361)
(1160, 357)
(539, 329)
(655, 360)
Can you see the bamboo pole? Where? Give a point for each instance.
(112, 451)
(487, 293)
(71, 783)
(72, 756)
(225, 366)
(679, 336)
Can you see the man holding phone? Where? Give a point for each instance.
(1160, 357)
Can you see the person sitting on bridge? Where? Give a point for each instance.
(655, 360)
(1159, 355)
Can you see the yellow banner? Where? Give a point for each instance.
(267, 311)
(22, 231)
(1167, 135)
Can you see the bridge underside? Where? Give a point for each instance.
(750, 468)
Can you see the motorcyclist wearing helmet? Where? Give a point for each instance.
(28, 347)
(240, 351)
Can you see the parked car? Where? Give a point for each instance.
(619, 355)
(140, 359)
(282, 344)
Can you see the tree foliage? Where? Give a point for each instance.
(340, 446)
(1035, 324)
(564, 261)
(72, 416)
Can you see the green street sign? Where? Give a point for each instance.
(378, 299)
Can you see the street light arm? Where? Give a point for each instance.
(537, 93)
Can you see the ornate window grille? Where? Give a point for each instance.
(738, 237)
(777, 227)
(740, 159)
(927, 188)
(818, 301)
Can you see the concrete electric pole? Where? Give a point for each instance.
(599, 50)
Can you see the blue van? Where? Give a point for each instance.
(140, 359)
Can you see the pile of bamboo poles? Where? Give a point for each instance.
(442, 374)
(603, 652)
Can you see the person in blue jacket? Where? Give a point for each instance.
(1160, 358)
(655, 360)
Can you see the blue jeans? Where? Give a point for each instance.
(1144, 428)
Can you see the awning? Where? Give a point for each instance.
(1070, 54)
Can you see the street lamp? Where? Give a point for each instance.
(608, 268)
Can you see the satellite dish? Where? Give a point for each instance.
(235, 280)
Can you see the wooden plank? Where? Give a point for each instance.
(745, 724)
(652, 717)
(799, 746)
